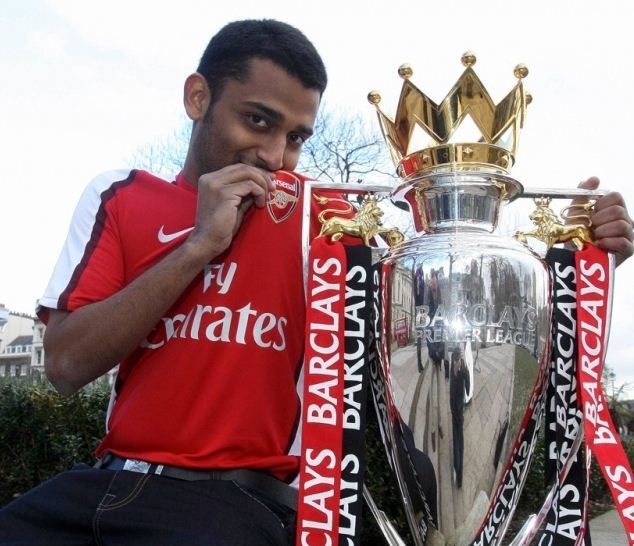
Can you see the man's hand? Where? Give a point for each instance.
(611, 223)
(224, 196)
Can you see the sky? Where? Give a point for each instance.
(83, 85)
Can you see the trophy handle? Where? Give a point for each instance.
(552, 228)
(561, 193)
(389, 532)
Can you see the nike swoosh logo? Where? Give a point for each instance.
(167, 237)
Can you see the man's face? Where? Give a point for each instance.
(262, 121)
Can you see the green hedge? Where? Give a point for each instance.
(42, 433)
(535, 492)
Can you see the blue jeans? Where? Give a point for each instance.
(88, 506)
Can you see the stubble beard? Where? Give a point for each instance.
(204, 147)
(207, 150)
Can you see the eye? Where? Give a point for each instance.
(257, 121)
(297, 139)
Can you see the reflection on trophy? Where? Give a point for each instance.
(465, 317)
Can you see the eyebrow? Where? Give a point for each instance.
(276, 115)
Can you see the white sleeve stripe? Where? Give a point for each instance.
(79, 236)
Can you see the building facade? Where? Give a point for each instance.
(22, 347)
(17, 333)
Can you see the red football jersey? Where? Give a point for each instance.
(215, 384)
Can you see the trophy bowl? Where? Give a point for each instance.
(464, 350)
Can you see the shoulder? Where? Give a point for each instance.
(120, 178)
(102, 183)
(108, 184)
(105, 180)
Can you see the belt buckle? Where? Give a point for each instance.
(135, 465)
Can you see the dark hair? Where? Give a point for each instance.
(228, 53)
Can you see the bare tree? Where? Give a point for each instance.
(164, 156)
(345, 148)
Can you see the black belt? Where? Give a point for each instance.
(252, 479)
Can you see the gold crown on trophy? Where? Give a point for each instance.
(498, 126)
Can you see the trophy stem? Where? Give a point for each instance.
(389, 532)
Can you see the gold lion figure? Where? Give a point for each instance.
(551, 230)
(365, 224)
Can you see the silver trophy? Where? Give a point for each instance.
(465, 316)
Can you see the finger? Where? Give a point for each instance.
(264, 178)
(622, 247)
(614, 228)
(244, 206)
(236, 182)
(239, 172)
(245, 190)
(246, 203)
(612, 213)
(609, 200)
(591, 183)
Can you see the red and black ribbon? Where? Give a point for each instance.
(567, 516)
(339, 301)
(594, 285)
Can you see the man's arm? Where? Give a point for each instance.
(82, 345)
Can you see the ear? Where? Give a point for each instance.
(196, 96)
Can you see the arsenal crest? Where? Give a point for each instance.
(283, 200)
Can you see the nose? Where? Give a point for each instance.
(271, 153)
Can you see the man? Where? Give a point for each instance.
(458, 388)
(195, 288)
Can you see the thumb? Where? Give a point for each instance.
(591, 184)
